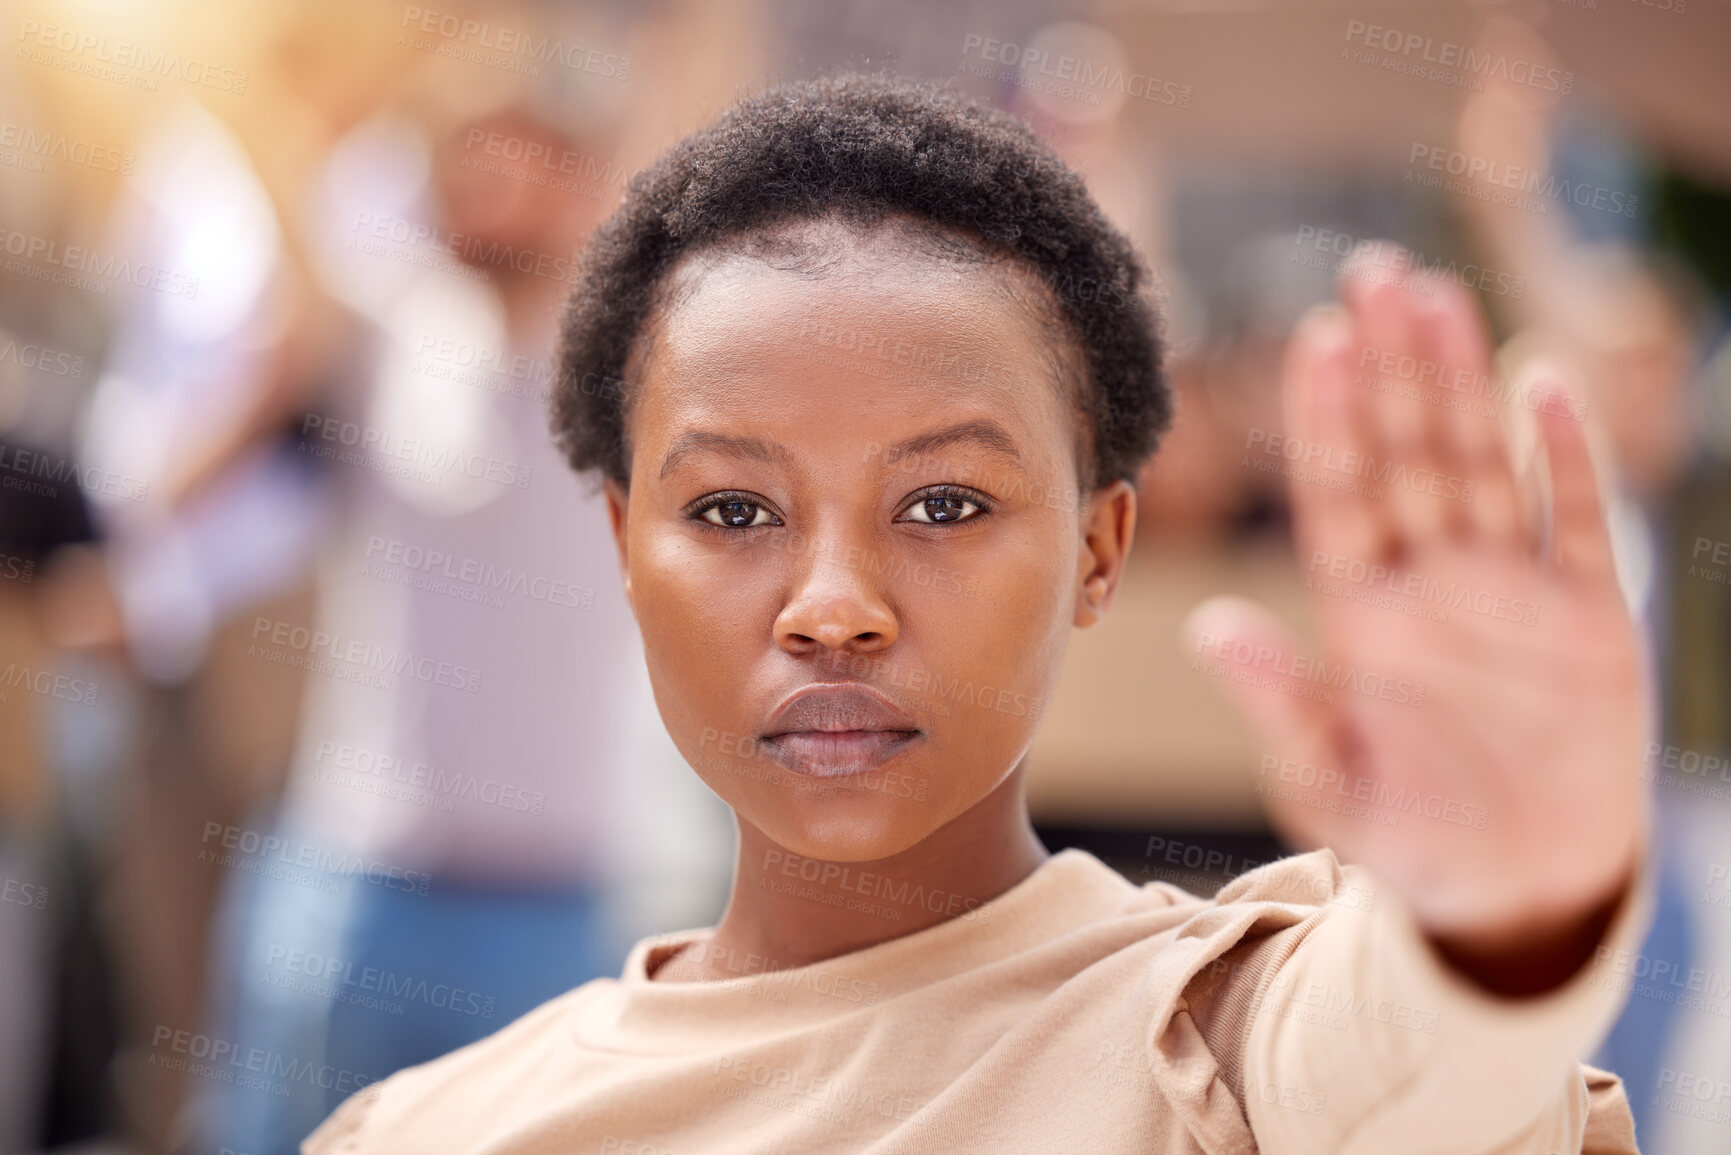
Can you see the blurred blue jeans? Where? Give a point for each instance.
(1639, 1043)
(330, 982)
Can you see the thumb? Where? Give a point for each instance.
(1251, 652)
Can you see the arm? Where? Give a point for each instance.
(1519, 709)
(1413, 1055)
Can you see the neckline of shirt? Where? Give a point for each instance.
(635, 1014)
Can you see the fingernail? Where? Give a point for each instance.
(1329, 327)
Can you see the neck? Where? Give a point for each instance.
(778, 913)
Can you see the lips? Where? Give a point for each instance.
(831, 729)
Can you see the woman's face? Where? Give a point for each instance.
(852, 537)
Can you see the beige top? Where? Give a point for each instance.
(1298, 1011)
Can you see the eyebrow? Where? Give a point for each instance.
(984, 432)
(727, 444)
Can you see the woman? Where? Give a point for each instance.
(866, 376)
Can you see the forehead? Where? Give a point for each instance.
(841, 327)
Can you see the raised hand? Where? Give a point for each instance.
(1484, 764)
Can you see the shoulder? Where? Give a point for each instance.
(1231, 948)
(1230, 951)
(1205, 985)
(1315, 879)
(1274, 893)
(439, 1098)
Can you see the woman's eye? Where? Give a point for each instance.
(941, 508)
(736, 514)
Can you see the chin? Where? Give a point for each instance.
(842, 825)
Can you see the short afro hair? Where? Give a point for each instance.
(864, 149)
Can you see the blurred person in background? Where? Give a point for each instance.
(489, 863)
(1600, 302)
(45, 903)
(57, 1013)
(201, 732)
(192, 732)
(214, 542)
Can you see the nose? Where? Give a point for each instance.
(835, 606)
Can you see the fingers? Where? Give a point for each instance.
(1580, 538)
(1249, 651)
(1386, 316)
(1526, 441)
(1332, 508)
(1411, 445)
(1436, 413)
(1398, 394)
(1471, 428)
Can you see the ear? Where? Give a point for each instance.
(1108, 527)
(618, 508)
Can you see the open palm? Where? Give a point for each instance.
(1473, 730)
